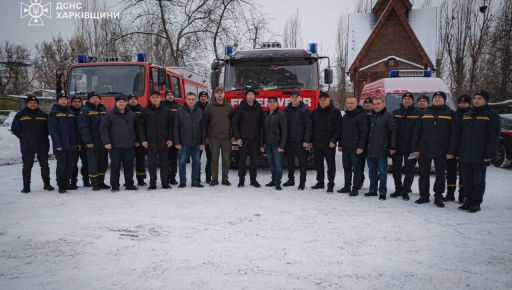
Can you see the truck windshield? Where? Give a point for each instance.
(393, 100)
(272, 74)
(107, 80)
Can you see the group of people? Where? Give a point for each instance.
(171, 135)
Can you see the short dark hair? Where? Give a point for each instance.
(155, 92)
(219, 90)
(378, 98)
(191, 94)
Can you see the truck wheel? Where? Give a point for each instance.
(310, 157)
(501, 159)
(234, 157)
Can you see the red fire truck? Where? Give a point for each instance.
(271, 71)
(110, 77)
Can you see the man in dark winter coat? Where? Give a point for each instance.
(30, 125)
(140, 151)
(353, 140)
(171, 103)
(155, 132)
(190, 139)
(217, 117)
(75, 107)
(118, 134)
(407, 118)
(246, 127)
(62, 125)
(381, 144)
(203, 102)
(481, 123)
(435, 140)
(452, 165)
(299, 121)
(326, 127)
(368, 109)
(89, 125)
(274, 137)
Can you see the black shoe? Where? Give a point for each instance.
(62, 190)
(241, 183)
(354, 193)
(318, 186)
(397, 193)
(449, 197)
(330, 188)
(72, 186)
(197, 185)
(474, 208)
(462, 199)
(422, 200)
(114, 189)
(370, 194)
(226, 183)
(104, 186)
(131, 187)
(278, 186)
(465, 206)
(290, 182)
(344, 190)
(382, 197)
(48, 187)
(182, 185)
(439, 202)
(25, 190)
(141, 183)
(405, 196)
(255, 184)
(270, 184)
(87, 183)
(173, 181)
(152, 187)
(213, 183)
(95, 188)
(301, 186)
(166, 186)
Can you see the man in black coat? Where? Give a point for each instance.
(274, 137)
(246, 125)
(381, 144)
(407, 118)
(140, 151)
(203, 102)
(155, 131)
(481, 123)
(62, 125)
(75, 107)
(452, 165)
(326, 127)
(190, 139)
(435, 140)
(299, 121)
(30, 125)
(353, 140)
(171, 103)
(368, 109)
(118, 134)
(89, 125)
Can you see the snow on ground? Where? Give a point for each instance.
(9, 147)
(230, 238)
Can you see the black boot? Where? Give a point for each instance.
(141, 182)
(439, 202)
(344, 190)
(72, 186)
(172, 180)
(330, 187)
(319, 185)
(462, 198)
(152, 186)
(397, 193)
(405, 196)
(449, 196)
(423, 199)
(86, 182)
(278, 186)
(270, 184)
(354, 192)
(302, 185)
(370, 194)
(241, 182)
(255, 183)
(474, 208)
(47, 186)
(26, 189)
(290, 182)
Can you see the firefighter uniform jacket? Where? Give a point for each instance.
(31, 128)
(89, 123)
(62, 127)
(406, 121)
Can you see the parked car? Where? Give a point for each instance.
(504, 153)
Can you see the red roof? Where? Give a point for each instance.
(378, 6)
(378, 27)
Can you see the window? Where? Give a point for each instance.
(176, 88)
(154, 80)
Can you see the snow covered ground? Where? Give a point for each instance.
(230, 238)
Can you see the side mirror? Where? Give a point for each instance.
(162, 76)
(215, 65)
(214, 79)
(328, 76)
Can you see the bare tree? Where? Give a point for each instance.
(363, 6)
(341, 58)
(292, 35)
(15, 76)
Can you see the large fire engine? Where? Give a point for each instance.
(271, 71)
(110, 77)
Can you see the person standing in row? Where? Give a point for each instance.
(118, 134)
(202, 104)
(75, 107)
(353, 140)
(481, 123)
(62, 126)
(140, 151)
(89, 124)
(368, 109)
(30, 125)
(217, 117)
(326, 123)
(299, 121)
(452, 165)
(190, 139)
(247, 133)
(381, 144)
(274, 137)
(407, 118)
(435, 140)
(155, 132)
(171, 103)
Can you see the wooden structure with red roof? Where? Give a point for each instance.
(392, 45)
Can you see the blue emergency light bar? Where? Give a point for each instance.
(82, 58)
(229, 49)
(142, 57)
(410, 73)
(313, 47)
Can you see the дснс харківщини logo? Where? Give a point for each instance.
(36, 10)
